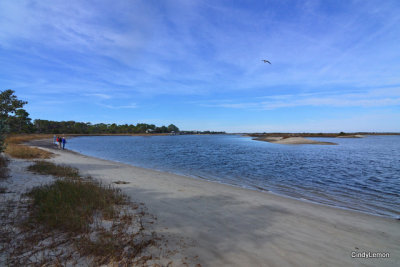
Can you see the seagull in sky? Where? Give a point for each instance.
(265, 61)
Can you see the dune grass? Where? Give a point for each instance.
(48, 168)
(16, 149)
(69, 205)
(77, 207)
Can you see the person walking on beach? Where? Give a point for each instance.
(63, 140)
(59, 142)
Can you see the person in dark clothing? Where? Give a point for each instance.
(63, 140)
(59, 142)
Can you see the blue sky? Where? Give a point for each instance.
(197, 64)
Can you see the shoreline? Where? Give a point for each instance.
(212, 217)
(241, 186)
(255, 189)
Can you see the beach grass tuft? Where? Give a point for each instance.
(73, 217)
(69, 205)
(49, 168)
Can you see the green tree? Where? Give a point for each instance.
(172, 128)
(20, 123)
(9, 104)
(3, 131)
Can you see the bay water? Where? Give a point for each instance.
(359, 173)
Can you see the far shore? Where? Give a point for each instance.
(222, 225)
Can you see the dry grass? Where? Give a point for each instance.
(16, 149)
(21, 138)
(26, 152)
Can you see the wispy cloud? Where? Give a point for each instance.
(372, 98)
(101, 96)
(132, 105)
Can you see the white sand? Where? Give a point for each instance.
(229, 226)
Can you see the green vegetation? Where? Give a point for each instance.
(69, 205)
(10, 105)
(72, 127)
(72, 211)
(45, 167)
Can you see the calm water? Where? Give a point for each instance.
(361, 174)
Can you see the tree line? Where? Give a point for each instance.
(15, 119)
(72, 127)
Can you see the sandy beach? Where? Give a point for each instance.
(219, 225)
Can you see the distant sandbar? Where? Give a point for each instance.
(292, 141)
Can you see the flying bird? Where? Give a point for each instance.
(265, 61)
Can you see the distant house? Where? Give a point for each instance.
(172, 133)
(149, 130)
